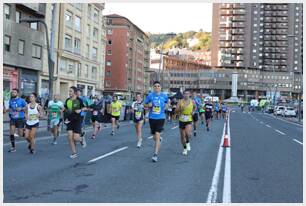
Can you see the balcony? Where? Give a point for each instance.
(240, 58)
(240, 51)
(239, 25)
(235, 31)
(226, 12)
(238, 38)
(238, 44)
(238, 18)
(225, 25)
(238, 6)
(281, 13)
(226, 6)
(239, 12)
(225, 44)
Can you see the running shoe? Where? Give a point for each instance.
(155, 158)
(112, 133)
(139, 143)
(83, 142)
(75, 155)
(188, 146)
(118, 126)
(54, 142)
(185, 152)
(93, 137)
(195, 133)
(32, 151)
(207, 129)
(13, 149)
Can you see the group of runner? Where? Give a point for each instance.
(25, 117)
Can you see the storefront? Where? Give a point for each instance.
(28, 81)
(10, 78)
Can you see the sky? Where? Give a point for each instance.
(165, 17)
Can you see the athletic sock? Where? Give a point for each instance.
(12, 138)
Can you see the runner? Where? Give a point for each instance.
(173, 107)
(115, 113)
(73, 108)
(186, 109)
(16, 110)
(224, 111)
(55, 112)
(208, 113)
(217, 108)
(202, 109)
(33, 112)
(138, 111)
(97, 109)
(86, 104)
(156, 102)
(195, 116)
(169, 111)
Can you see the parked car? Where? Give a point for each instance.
(279, 110)
(289, 112)
(270, 109)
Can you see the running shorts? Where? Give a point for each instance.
(156, 125)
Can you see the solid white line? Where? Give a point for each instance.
(227, 169)
(174, 127)
(271, 116)
(108, 154)
(268, 125)
(280, 132)
(298, 141)
(212, 195)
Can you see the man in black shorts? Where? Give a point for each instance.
(73, 108)
(208, 114)
(156, 102)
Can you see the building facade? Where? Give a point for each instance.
(263, 37)
(22, 48)
(79, 48)
(127, 56)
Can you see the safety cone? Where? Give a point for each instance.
(226, 142)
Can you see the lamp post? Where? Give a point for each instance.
(50, 61)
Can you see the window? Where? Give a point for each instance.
(18, 16)
(77, 45)
(7, 43)
(110, 31)
(33, 25)
(71, 67)
(88, 30)
(109, 21)
(109, 63)
(21, 47)
(36, 51)
(87, 50)
(78, 6)
(68, 18)
(79, 70)
(108, 73)
(86, 71)
(77, 23)
(94, 53)
(93, 72)
(7, 11)
(89, 11)
(68, 42)
(109, 42)
(63, 65)
(95, 34)
(109, 52)
(96, 15)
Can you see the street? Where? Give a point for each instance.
(264, 163)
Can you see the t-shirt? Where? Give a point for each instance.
(208, 108)
(71, 106)
(157, 111)
(138, 109)
(224, 108)
(55, 109)
(217, 107)
(186, 113)
(15, 103)
(86, 103)
(97, 107)
(197, 102)
(116, 108)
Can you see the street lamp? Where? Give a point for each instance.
(50, 61)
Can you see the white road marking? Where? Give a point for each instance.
(280, 132)
(107, 154)
(271, 116)
(261, 122)
(174, 127)
(298, 141)
(268, 125)
(227, 170)
(212, 195)
(233, 111)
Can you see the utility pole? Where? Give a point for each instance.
(52, 43)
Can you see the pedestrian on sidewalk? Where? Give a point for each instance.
(73, 108)
(33, 112)
(17, 106)
(116, 107)
(138, 116)
(186, 108)
(55, 113)
(156, 102)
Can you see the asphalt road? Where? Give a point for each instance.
(262, 165)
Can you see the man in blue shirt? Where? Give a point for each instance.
(156, 102)
(16, 110)
(83, 113)
(195, 116)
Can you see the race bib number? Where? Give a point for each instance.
(156, 110)
(95, 113)
(169, 109)
(185, 117)
(33, 117)
(116, 110)
(137, 115)
(54, 114)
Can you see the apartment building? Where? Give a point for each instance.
(79, 48)
(127, 56)
(22, 47)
